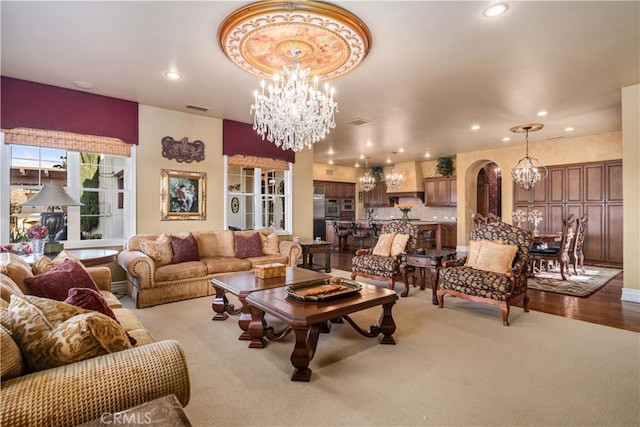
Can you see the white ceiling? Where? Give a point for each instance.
(434, 69)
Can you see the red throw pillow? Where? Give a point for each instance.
(90, 299)
(55, 283)
(184, 249)
(247, 247)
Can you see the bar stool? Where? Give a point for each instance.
(361, 233)
(341, 234)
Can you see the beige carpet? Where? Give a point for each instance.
(456, 366)
(582, 284)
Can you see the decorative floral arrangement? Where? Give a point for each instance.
(535, 217)
(405, 206)
(16, 248)
(37, 232)
(518, 217)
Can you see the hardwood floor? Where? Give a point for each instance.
(604, 307)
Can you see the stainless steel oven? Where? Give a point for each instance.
(347, 205)
(332, 208)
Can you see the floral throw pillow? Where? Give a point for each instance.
(184, 250)
(270, 244)
(247, 247)
(93, 300)
(53, 333)
(158, 250)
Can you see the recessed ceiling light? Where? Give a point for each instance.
(388, 160)
(83, 84)
(357, 165)
(475, 127)
(542, 113)
(495, 10)
(369, 144)
(427, 154)
(173, 75)
(330, 162)
(361, 156)
(506, 139)
(330, 150)
(569, 129)
(401, 150)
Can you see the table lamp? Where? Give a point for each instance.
(52, 195)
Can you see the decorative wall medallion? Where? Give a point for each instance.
(235, 204)
(183, 150)
(260, 37)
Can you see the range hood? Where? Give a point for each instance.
(412, 183)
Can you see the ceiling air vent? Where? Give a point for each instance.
(358, 121)
(197, 108)
(555, 137)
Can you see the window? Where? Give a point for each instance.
(258, 197)
(99, 181)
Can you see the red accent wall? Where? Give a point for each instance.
(240, 138)
(40, 106)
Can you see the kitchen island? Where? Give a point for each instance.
(432, 233)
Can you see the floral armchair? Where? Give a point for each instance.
(385, 268)
(468, 279)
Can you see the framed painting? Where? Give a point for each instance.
(183, 195)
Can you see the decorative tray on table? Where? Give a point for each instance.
(322, 290)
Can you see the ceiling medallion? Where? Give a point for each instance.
(260, 37)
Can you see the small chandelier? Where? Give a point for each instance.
(528, 171)
(395, 179)
(292, 113)
(367, 181)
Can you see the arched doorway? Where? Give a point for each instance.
(489, 190)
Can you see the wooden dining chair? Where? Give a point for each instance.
(577, 249)
(557, 254)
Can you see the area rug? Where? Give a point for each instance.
(581, 285)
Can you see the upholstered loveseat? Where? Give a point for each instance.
(80, 391)
(158, 273)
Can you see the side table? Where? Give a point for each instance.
(316, 247)
(429, 259)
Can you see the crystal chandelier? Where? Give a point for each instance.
(292, 113)
(394, 179)
(367, 181)
(528, 171)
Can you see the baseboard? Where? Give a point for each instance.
(630, 295)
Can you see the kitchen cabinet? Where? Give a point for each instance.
(441, 191)
(449, 235)
(377, 198)
(594, 189)
(340, 190)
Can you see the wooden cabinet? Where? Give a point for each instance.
(337, 190)
(377, 198)
(441, 191)
(449, 235)
(591, 188)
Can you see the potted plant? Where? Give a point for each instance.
(377, 172)
(444, 166)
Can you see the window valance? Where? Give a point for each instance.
(240, 138)
(38, 106)
(67, 141)
(258, 162)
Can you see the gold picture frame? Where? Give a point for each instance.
(183, 195)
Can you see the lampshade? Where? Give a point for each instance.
(51, 194)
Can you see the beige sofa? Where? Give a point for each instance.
(82, 391)
(149, 284)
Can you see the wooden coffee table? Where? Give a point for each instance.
(243, 283)
(308, 319)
